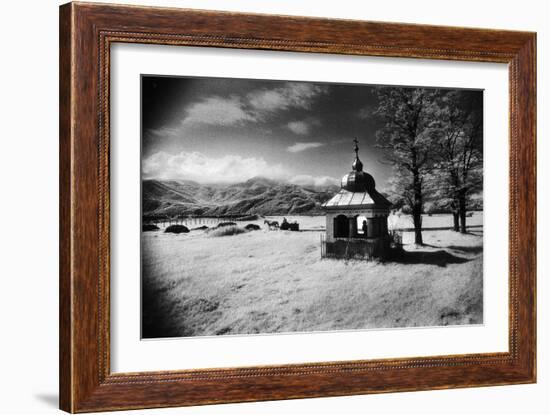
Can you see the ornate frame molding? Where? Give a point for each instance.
(86, 34)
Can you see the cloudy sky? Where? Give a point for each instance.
(219, 130)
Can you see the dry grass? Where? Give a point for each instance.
(226, 231)
(267, 282)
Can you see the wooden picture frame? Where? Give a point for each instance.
(86, 33)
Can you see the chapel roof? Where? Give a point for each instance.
(358, 188)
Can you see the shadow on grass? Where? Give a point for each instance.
(164, 316)
(467, 249)
(155, 318)
(440, 258)
(472, 228)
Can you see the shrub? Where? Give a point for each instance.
(149, 227)
(224, 224)
(200, 228)
(226, 231)
(176, 229)
(252, 227)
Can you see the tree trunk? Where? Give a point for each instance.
(417, 209)
(417, 219)
(455, 221)
(462, 211)
(454, 210)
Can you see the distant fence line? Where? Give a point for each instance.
(182, 220)
(193, 220)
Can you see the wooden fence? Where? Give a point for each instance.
(358, 248)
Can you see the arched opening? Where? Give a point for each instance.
(361, 222)
(341, 226)
(353, 226)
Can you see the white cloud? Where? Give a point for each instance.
(299, 146)
(303, 127)
(203, 169)
(164, 132)
(291, 95)
(218, 111)
(299, 127)
(223, 170)
(254, 107)
(317, 181)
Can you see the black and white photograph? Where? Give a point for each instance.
(275, 207)
(279, 206)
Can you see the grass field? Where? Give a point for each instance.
(196, 284)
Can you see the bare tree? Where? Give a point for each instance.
(460, 149)
(407, 137)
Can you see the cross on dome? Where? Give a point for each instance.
(357, 165)
(357, 180)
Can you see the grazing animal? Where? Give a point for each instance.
(272, 224)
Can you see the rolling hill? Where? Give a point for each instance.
(258, 195)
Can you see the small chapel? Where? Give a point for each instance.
(356, 217)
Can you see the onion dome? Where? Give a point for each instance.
(357, 165)
(357, 180)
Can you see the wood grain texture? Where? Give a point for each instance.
(86, 33)
(65, 247)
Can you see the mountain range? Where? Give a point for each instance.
(257, 196)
